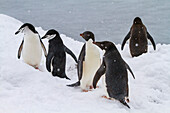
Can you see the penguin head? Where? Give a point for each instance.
(137, 20)
(105, 45)
(51, 34)
(88, 35)
(25, 28)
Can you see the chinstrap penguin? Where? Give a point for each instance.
(56, 57)
(31, 45)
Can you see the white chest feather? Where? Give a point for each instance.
(104, 86)
(90, 65)
(32, 50)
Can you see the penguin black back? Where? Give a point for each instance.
(115, 69)
(138, 36)
(57, 54)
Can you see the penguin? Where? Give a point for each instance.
(56, 57)
(31, 45)
(88, 62)
(138, 36)
(114, 69)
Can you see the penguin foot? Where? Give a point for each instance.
(84, 90)
(127, 99)
(36, 67)
(90, 87)
(106, 97)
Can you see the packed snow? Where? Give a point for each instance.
(24, 89)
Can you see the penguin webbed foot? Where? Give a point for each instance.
(36, 67)
(91, 87)
(84, 90)
(127, 99)
(106, 97)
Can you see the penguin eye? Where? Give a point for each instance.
(102, 45)
(51, 36)
(88, 35)
(105, 47)
(22, 30)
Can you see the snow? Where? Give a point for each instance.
(26, 90)
(136, 45)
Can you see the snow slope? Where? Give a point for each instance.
(26, 90)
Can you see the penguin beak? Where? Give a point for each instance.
(81, 34)
(20, 30)
(49, 36)
(44, 37)
(17, 32)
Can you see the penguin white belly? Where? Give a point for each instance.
(32, 50)
(90, 65)
(104, 86)
(51, 65)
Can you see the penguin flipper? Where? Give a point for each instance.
(127, 67)
(152, 41)
(74, 84)
(71, 53)
(125, 39)
(20, 49)
(80, 62)
(98, 74)
(48, 61)
(43, 47)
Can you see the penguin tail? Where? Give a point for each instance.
(67, 78)
(124, 103)
(74, 84)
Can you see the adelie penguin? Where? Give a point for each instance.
(31, 46)
(114, 69)
(138, 36)
(88, 62)
(56, 57)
